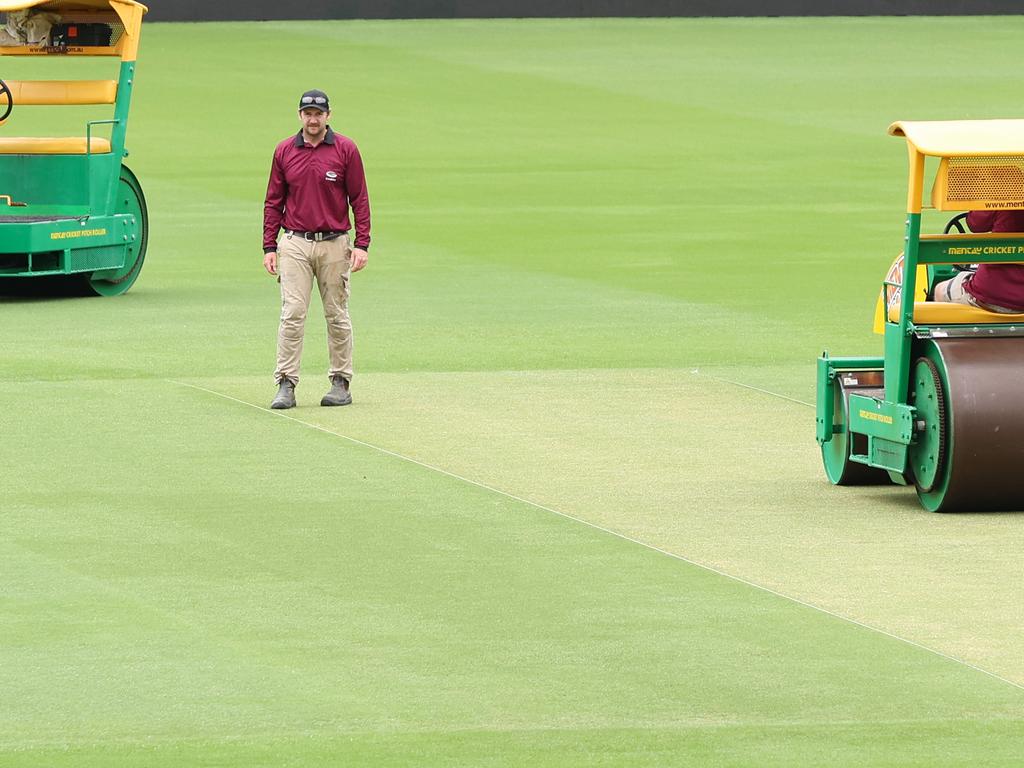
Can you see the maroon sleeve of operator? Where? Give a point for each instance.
(273, 205)
(358, 197)
(981, 221)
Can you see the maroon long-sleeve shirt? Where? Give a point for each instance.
(312, 188)
(1000, 285)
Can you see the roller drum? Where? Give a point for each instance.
(982, 464)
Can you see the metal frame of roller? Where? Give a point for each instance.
(938, 409)
(68, 205)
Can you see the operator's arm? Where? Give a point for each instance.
(981, 221)
(273, 212)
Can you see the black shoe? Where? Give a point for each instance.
(285, 397)
(338, 394)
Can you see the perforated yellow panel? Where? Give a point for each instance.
(971, 183)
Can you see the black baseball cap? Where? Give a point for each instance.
(314, 100)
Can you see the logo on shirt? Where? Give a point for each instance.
(331, 176)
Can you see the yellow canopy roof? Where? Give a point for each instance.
(76, 5)
(128, 11)
(962, 138)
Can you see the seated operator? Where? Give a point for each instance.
(993, 287)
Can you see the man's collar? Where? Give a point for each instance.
(328, 137)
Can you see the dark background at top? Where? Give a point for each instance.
(236, 10)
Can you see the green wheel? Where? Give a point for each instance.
(129, 200)
(928, 453)
(835, 454)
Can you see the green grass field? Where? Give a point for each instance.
(576, 515)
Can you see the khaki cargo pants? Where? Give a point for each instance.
(299, 262)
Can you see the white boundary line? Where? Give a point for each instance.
(611, 532)
(699, 372)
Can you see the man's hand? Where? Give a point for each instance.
(359, 258)
(270, 262)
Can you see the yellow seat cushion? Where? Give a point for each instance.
(63, 91)
(947, 313)
(70, 145)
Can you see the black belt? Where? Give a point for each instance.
(318, 236)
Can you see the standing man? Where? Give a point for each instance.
(315, 177)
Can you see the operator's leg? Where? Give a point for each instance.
(296, 272)
(952, 290)
(333, 275)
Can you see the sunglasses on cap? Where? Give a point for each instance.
(314, 100)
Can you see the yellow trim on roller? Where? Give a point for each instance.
(131, 14)
(946, 313)
(962, 138)
(915, 185)
(63, 91)
(969, 239)
(71, 145)
(69, 5)
(878, 325)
